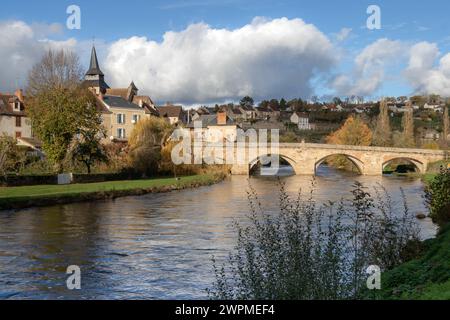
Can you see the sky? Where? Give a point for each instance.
(205, 51)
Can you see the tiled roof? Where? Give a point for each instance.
(7, 109)
(211, 120)
(170, 111)
(119, 102)
(120, 92)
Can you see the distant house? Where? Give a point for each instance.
(301, 119)
(430, 135)
(434, 107)
(248, 112)
(214, 127)
(173, 114)
(13, 119)
(265, 113)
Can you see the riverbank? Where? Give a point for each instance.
(45, 195)
(424, 278)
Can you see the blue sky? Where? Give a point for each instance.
(408, 22)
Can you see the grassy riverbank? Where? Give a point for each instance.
(425, 278)
(30, 196)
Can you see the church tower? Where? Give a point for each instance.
(94, 77)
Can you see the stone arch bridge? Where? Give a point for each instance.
(305, 158)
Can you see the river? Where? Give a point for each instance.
(156, 246)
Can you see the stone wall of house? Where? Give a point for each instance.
(8, 126)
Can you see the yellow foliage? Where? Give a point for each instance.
(354, 132)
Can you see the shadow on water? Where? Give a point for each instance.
(156, 246)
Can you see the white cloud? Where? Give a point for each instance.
(343, 34)
(22, 45)
(369, 71)
(425, 75)
(267, 58)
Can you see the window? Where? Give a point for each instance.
(121, 133)
(136, 118)
(18, 135)
(120, 118)
(18, 122)
(17, 106)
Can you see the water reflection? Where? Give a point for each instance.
(151, 247)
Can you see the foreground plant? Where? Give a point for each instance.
(311, 251)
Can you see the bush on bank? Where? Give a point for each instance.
(305, 251)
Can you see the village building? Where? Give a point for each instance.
(175, 115)
(13, 120)
(214, 128)
(15, 123)
(301, 119)
(248, 112)
(121, 108)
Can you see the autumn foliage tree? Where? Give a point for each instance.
(146, 144)
(446, 125)
(354, 132)
(408, 128)
(383, 135)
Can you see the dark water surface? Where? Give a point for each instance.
(156, 246)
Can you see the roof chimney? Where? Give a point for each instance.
(221, 118)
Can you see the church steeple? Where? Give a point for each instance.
(94, 68)
(94, 77)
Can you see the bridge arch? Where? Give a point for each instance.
(419, 165)
(286, 158)
(354, 160)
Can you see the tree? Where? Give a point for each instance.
(87, 147)
(146, 142)
(383, 135)
(354, 132)
(337, 101)
(446, 124)
(58, 107)
(274, 104)
(247, 101)
(438, 197)
(11, 157)
(283, 104)
(57, 69)
(408, 128)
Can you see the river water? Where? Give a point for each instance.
(157, 246)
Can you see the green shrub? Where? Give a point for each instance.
(304, 251)
(438, 197)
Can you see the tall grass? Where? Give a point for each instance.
(309, 251)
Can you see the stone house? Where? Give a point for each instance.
(301, 119)
(121, 108)
(173, 114)
(13, 119)
(213, 127)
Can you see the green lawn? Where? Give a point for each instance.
(42, 191)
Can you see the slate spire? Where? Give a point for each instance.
(94, 68)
